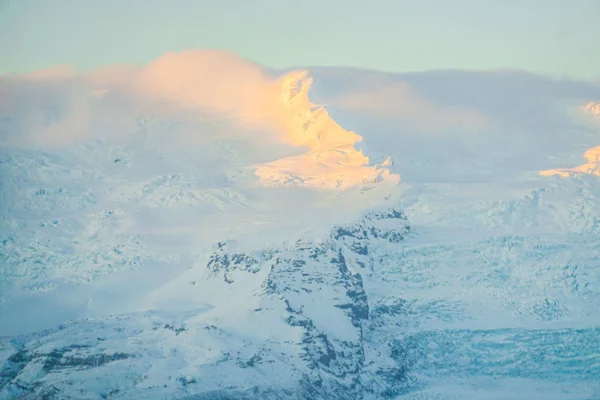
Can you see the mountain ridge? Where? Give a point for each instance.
(481, 281)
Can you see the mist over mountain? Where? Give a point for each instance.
(203, 227)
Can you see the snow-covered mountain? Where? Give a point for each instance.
(198, 228)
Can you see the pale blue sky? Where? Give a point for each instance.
(557, 37)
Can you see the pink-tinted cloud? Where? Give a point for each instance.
(60, 106)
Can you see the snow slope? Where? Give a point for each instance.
(198, 228)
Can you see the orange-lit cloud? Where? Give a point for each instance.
(60, 106)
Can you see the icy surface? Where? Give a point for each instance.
(199, 228)
(592, 167)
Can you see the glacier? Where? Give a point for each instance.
(199, 229)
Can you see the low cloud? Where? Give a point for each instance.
(44, 107)
(400, 101)
(59, 106)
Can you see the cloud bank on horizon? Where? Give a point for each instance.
(60, 106)
(400, 100)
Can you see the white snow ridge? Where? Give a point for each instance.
(199, 229)
(591, 167)
(331, 160)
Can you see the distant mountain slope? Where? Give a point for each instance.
(360, 315)
(199, 228)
